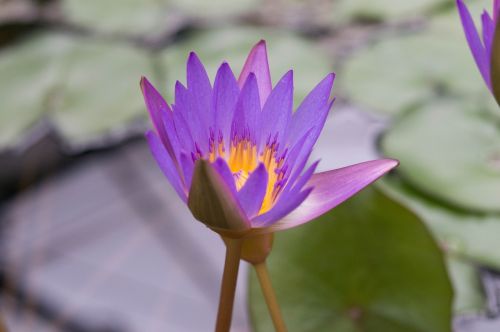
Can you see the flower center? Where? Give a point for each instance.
(243, 158)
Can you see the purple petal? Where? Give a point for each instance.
(222, 168)
(226, 93)
(298, 150)
(263, 221)
(200, 90)
(213, 203)
(310, 139)
(289, 199)
(332, 188)
(187, 118)
(161, 116)
(303, 179)
(245, 121)
(488, 31)
(182, 129)
(278, 109)
(253, 192)
(258, 64)
(166, 164)
(313, 111)
(474, 41)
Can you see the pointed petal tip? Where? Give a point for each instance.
(251, 77)
(179, 85)
(257, 62)
(144, 83)
(192, 56)
(224, 67)
(331, 77)
(261, 44)
(288, 75)
(391, 163)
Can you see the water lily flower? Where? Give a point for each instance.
(483, 46)
(237, 154)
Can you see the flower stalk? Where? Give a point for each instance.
(270, 297)
(255, 251)
(228, 286)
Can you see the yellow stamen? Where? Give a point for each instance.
(242, 160)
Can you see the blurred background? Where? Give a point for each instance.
(93, 238)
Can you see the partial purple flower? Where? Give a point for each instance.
(481, 45)
(236, 152)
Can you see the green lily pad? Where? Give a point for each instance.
(99, 93)
(469, 295)
(450, 151)
(118, 16)
(214, 7)
(403, 70)
(369, 265)
(473, 237)
(30, 70)
(88, 89)
(380, 10)
(136, 17)
(286, 51)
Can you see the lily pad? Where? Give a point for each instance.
(400, 71)
(99, 92)
(286, 51)
(468, 290)
(470, 236)
(89, 89)
(380, 10)
(369, 265)
(118, 16)
(30, 70)
(214, 7)
(451, 151)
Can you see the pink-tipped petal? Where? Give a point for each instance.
(166, 164)
(258, 64)
(332, 188)
(212, 202)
